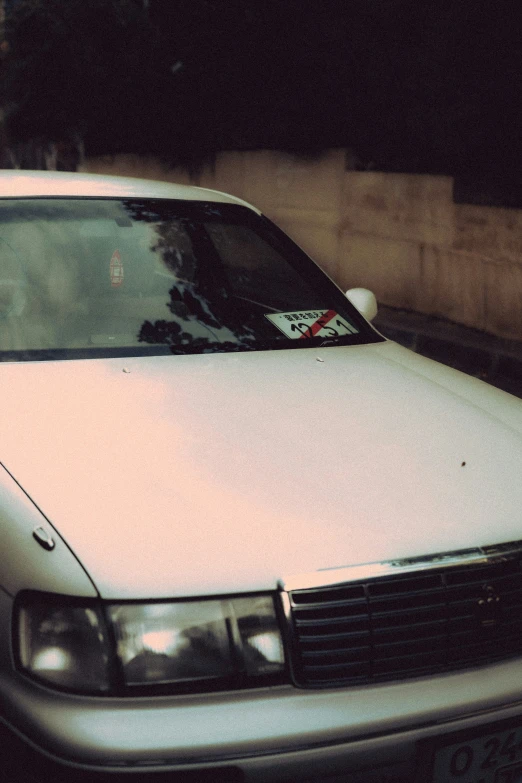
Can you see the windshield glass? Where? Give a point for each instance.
(103, 277)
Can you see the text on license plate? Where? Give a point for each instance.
(491, 758)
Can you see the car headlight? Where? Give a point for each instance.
(65, 645)
(128, 645)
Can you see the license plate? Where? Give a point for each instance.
(489, 758)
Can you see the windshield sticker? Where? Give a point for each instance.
(116, 269)
(311, 323)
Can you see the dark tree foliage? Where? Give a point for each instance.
(409, 85)
(88, 68)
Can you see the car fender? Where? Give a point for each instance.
(38, 559)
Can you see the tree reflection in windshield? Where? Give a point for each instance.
(200, 295)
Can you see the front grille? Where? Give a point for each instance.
(407, 625)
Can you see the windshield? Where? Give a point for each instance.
(86, 277)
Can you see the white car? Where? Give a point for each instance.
(244, 537)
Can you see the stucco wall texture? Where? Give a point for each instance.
(400, 235)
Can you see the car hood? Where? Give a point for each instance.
(194, 475)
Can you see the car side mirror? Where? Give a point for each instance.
(364, 301)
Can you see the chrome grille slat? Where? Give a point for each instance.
(392, 627)
(341, 622)
(308, 641)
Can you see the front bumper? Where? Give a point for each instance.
(378, 733)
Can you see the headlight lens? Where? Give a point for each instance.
(176, 642)
(155, 643)
(261, 643)
(64, 645)
(172, 642)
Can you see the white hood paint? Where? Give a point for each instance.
(193, 475)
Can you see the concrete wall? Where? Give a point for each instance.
(400, 235)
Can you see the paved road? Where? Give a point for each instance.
(493, 359)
